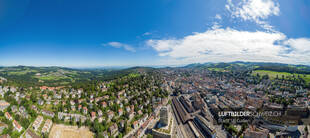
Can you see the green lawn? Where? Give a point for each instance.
(52, 77)
(133, 75)
(48, 106)
(21, 72)
(273, 74)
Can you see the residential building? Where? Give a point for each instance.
(30, 134)
(3, 105)
(135, 124)
(46, 127)
(110, 115)
(17, 126)
(93, 115)
(48, 113)
(120, 111)
(36, 124)
(8, 116)
(113, 129)
(85, 110)
(2, 127)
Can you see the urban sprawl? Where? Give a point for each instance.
(161, 103)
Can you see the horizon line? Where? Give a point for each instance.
(130, 66)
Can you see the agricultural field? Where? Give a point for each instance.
(52, 77)
(217, 69)
(273, 74)
(20, 72)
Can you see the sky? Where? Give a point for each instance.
(99, 33)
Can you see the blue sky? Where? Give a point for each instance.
(79, 33)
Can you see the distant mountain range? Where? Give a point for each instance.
(54, 76)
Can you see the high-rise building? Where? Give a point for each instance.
(164, 116)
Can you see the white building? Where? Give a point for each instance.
(17, 126)
(48, 124)
(37, 123)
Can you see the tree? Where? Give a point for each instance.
(14, 134)
(149, 136)
(125, 127)
(266, 77)
(79, 123)
(8, 130)
(17, 117)
(33, 97)
(45, 135)
(88, 122)
(25, 123)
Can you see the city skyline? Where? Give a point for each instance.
(153, 33)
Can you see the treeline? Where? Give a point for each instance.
(305, 70)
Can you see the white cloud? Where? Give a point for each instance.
(217, 16)
(120, 45)
(227, 45)
(254, 10)
(146, 33)
(300, 45)
(299, 49)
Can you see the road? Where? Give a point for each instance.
(149, 125)
(132, 132)
(26, 129)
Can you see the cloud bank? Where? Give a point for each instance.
(227, 45)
